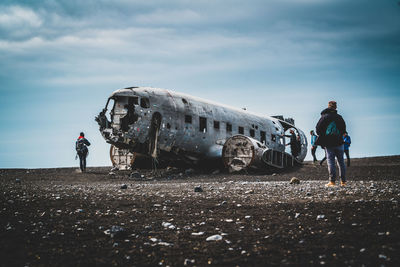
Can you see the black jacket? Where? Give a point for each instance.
(81, 145)
(327, 116)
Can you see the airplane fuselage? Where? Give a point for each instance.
(162, 123)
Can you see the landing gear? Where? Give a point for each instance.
(121, 159)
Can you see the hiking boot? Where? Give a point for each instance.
(342, 183)
(330, 184)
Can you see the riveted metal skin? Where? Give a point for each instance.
(172, 126)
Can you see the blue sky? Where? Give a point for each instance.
(60, 60)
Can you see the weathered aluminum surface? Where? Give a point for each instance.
(156, 122)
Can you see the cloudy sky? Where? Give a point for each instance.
(60, 60)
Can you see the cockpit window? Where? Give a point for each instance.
(144, 102)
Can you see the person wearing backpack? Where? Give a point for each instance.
(330, 129)
(81, 149)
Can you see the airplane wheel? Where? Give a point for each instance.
(121, 158)
(238, 153)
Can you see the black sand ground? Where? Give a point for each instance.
(59, 217)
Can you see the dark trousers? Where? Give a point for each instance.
(348, 157)
(313, 149)
(82, 161)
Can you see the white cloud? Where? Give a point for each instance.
(16, 16)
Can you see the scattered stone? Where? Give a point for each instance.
(162, 243)
(198, 189)
(381, 256)
(135, 175)
(320, 217)
(111, 173)
(17, 181)
(124, 186)
(197, 234)
(214, 238)
(295, 180)
(297, 215)
(249, 192)
(187, 262)
(168, 225)
(117, 231)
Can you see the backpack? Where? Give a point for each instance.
(80, 147)
(332, 130)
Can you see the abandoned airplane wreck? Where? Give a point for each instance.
(170, 126)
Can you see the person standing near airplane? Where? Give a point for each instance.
(347, 142)
(81, 149)
(294, 147)
(313, 145)
(330, 129)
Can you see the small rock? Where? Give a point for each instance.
(320, 217)
(162, 243)
(295, 180)
(117, 231)
(17, 181)
(187, 262)
(381, 256)
(214, 238)
(124, 186)
(198, 189)
(249, 192)
(135, 175)
(197, 234)
(111, 173)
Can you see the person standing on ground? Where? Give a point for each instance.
(293, 143)
(330, 129)
(347, 142)
(313, 145)
(81, 149)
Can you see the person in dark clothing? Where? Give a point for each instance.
(294, 144)
(323, 159)
(313, 145)
(330, 129)
(347, 142)
(81, 149)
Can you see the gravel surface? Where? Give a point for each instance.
(172, 217)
